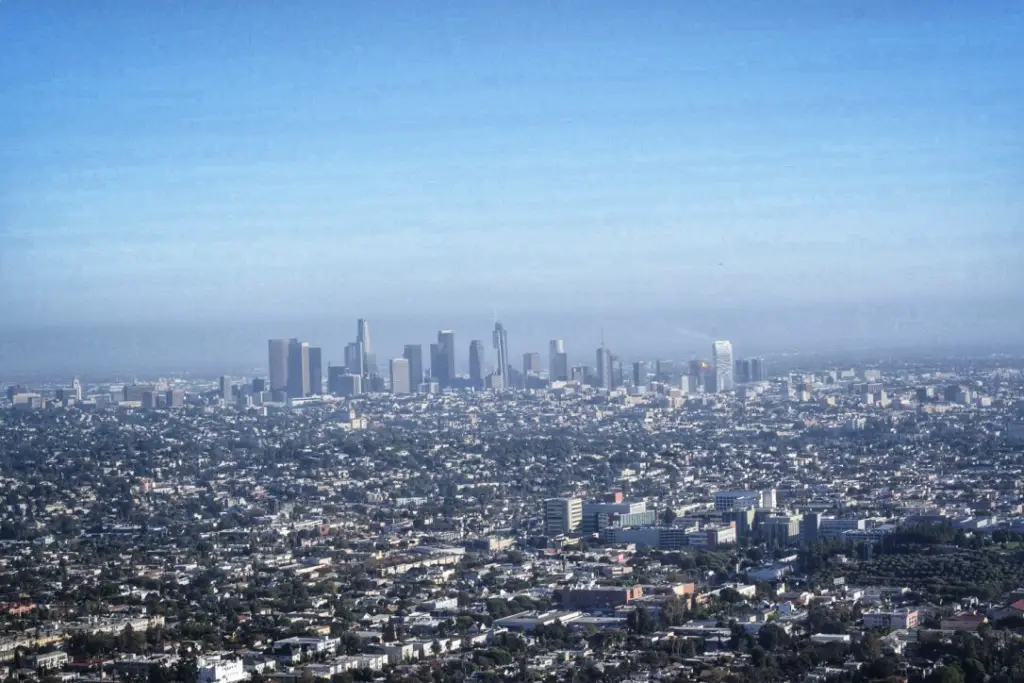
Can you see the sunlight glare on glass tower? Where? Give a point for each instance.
(721, 360)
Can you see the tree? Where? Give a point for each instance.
(947, 674)
(157, 674)
(974, 671)
(674, 611)
(641, 620)
(771, 637)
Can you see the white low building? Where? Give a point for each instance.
(224, 671)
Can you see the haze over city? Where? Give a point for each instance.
(517, 342)
(177, 185)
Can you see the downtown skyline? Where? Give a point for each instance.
(296, 368)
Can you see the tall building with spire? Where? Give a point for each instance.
(363, 338)
(500, 379)
(363, 334)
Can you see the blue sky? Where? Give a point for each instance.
(260, 161)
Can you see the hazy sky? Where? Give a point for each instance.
(246, 163)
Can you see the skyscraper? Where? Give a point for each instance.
(226, 390)
(701, 376)
(665, 371)
(639, 374)
(278, 364)
(562, 515)
(414, 354)
(363, 334)
(531, 363)
(435, 362)
(316, 371)
(363, 338)
(354, 358)
(616, 372)
(499, 379)
(557, 370)
(604, 368)
(560, 367)
(476, 363)
(758, 370)
(742, 375)
(721, 360)
(341, 382)
(445, 373)
(298, 369)
(400, 383)
(580, 373)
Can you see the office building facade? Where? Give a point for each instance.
(558, 363)
(414, 354)
(701, 376)
(278, 364)
(604, 368)
(354, 358)
(562, 516)
(531, 363)
(758, 370)
(742, 375)
(298, 369)
(665, 371)
(737, 500)
(316, 371)
(617, 374)
(400, 380)
(722, 363)
(369, 360)
(476, 363)
(226, 390)
(499, 377)
(559, 371)
(639, 374)
(341, 382)
(445, 361)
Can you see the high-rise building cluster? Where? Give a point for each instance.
(296, 369)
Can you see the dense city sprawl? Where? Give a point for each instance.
(849, 524)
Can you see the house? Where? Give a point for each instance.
(1013, 610)
(896, 619)
(964, 621)
(48, 660)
